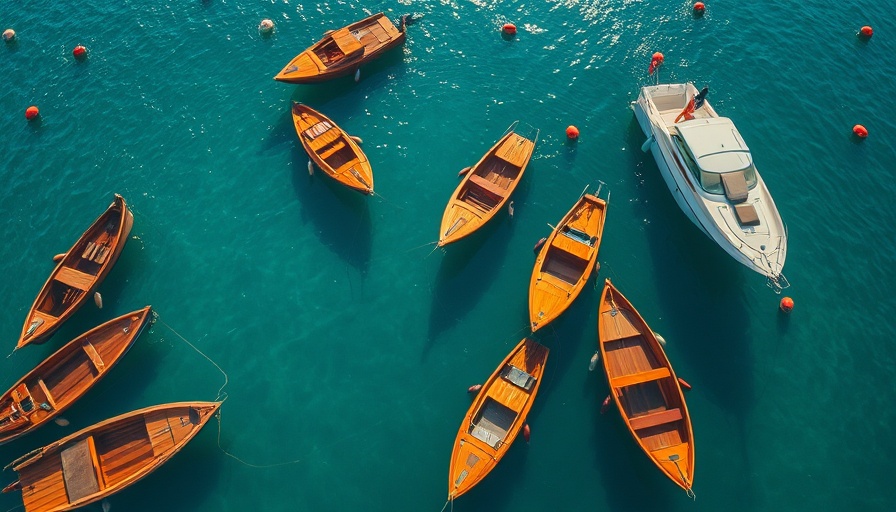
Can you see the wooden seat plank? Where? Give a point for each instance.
(640, 377)
(488, 185)
(656, 418)
(75, 278)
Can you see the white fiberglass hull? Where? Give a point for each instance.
(762, 248)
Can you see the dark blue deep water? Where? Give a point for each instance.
(349, 346)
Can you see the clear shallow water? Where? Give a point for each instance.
(349, 347)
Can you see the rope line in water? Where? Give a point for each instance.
(221, 394)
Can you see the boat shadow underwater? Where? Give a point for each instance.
(466, 272)
(340, 216)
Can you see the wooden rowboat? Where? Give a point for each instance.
(645, 388)
(77, 276)
(496, 417)
(333, 150)
(566, 260)
(486, 187)
(341, 52)
(103, 459)
(67, 375)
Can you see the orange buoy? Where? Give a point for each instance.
(787, 304)
(31, 112)
(509, 29)
(606, 405)
(58, 257)
(572, 132)
(655, 61)
(526, 432)
(860, 131)
(866, 31)
(9, 35)
(699, 8)
(474, 388)
(685, 385)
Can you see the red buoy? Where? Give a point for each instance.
(79, 52)
(526, 432)
(474, 388)
(31, 112)
(685, 385)
(699, 7)
(866, 31)
(860, 131)
(787, 304)
(572, 132)
(509, 28)
(606, 405)
(655, 61)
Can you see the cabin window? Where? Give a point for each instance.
(686, 156)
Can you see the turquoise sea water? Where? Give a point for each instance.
(349, 347)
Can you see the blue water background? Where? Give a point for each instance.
(349, 346)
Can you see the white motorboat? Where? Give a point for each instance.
(709, 170)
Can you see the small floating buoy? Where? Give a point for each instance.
(266, 26)
(59, 256)
(358, 74)
(79, 52)
(9, 35)
(539, 244)
(509, 29)
(685, 385)
(596, 266)
(606, 405)
(310, 168)
(787, 304)
(572, 132)
(98, 300)
(62, 422)
(356, 139)
(510, 209)
(106, 505)
(474, 388)
(866, 32)
(699, 8)
(31, 112)
(655, 61)
(526, 432)
(659, 338)
(463, 171)
(594, 359)
(860, 131)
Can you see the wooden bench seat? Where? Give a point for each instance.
(330, 151)
(94, 356)
(641, 377)
(487, 185)
(655, 418)
(75, 278)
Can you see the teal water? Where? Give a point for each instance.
(349, 347)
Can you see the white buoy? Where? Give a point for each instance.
(9, 35)
(660, 338)
(266, 26)
(62, 422)
(106, 505)
(310, 168)
(358, 74)
(356, 139)
(98, 300)
(594, 359)
(510, 208)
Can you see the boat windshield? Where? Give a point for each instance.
(709, 176)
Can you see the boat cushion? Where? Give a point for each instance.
(485, 436)
(746, 214)
(735, 185)
(78, 470)
(518, 377)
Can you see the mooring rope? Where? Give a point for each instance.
(221, 395)
(21, 506)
